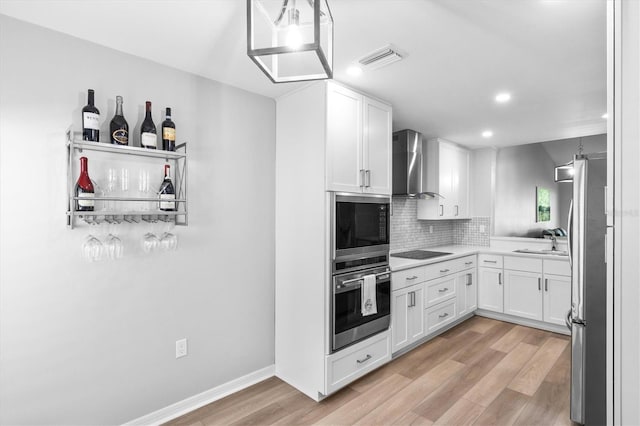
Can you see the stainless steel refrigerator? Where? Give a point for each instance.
(587, 317)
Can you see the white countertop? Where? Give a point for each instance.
(398, 264)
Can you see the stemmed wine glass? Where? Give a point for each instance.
(169, 241)
(114, 247)
(92, 249)
(150, 242)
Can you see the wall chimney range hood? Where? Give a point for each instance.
(408, 164)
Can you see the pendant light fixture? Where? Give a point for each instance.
(291, 40)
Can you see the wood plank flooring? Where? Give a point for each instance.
(482, 372)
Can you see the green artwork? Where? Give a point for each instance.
(543, 205)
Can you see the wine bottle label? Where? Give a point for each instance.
(169, 133)
(91, 120)
(121, 136)
(149, 139)
(85, 199)
(167, 205)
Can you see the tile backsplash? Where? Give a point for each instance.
(408, 233)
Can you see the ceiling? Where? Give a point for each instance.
(549, 54)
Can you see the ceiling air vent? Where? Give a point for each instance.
(381, 58)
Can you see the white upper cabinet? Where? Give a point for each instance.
(446, 174)
(358, 142)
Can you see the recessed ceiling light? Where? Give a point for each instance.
(503, 97)
(487, 134)
(354, 70)
(605, 115)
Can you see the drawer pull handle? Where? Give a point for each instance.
(500, 278)
(546, 284)
(443, 315)
(490, 261)
(468, 263)
(442, 290)
(444, 270)
(363, 360)
(411, 278)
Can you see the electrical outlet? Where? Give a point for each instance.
(431, 229)
(181, 348)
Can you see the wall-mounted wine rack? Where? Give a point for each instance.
(178, 160)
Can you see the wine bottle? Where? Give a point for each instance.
(84, 189)
(168, 133)
(148, 137)
(167, 192)
(119, 127)
(90, 120)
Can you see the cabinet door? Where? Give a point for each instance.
(447, 158)
(557, 298)
(490, 289)
(416, 314)
(344, 140)
(400, 319)
(377, 147)
(467, 293)
(523, 294)
(460, 179)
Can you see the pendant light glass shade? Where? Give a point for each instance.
(291, 40)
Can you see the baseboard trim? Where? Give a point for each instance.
(194, 402)
(524, 321)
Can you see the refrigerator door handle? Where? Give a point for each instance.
(577, 241)
(577, 411)
(569, 232)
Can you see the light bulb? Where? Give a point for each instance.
(294, 37)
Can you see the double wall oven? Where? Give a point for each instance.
(360, 248)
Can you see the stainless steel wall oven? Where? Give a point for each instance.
(360, 248)
(348, 325)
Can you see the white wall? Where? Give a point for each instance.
(519, 170)
(94, 343)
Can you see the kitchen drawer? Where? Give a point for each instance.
(345, 366)
(402, 279)
(440, 315)
(466, 262)
(490, 260)
(440, 269)
(557, 267)
(521, 263)
(440, 290)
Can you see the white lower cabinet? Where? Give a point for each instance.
(407, 316)
(348, 364)
(440, 315)
(523, 294)
(557, 298)
(467, 292)
(490, 289)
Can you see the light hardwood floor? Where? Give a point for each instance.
(481, 372)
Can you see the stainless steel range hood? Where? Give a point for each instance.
(408, 165)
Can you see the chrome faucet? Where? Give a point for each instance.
(553, 243)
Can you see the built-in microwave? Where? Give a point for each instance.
(360, 231)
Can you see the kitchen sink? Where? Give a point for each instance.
(554, 252)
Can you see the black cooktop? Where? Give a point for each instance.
(419, 254)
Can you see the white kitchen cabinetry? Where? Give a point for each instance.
(557, 291)
(556, 299)
(523, 294)
(447, 174)
(467, 292)
(321, 139)
(490, 283)
(355, 361)
(407, 316)
(358, 135)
